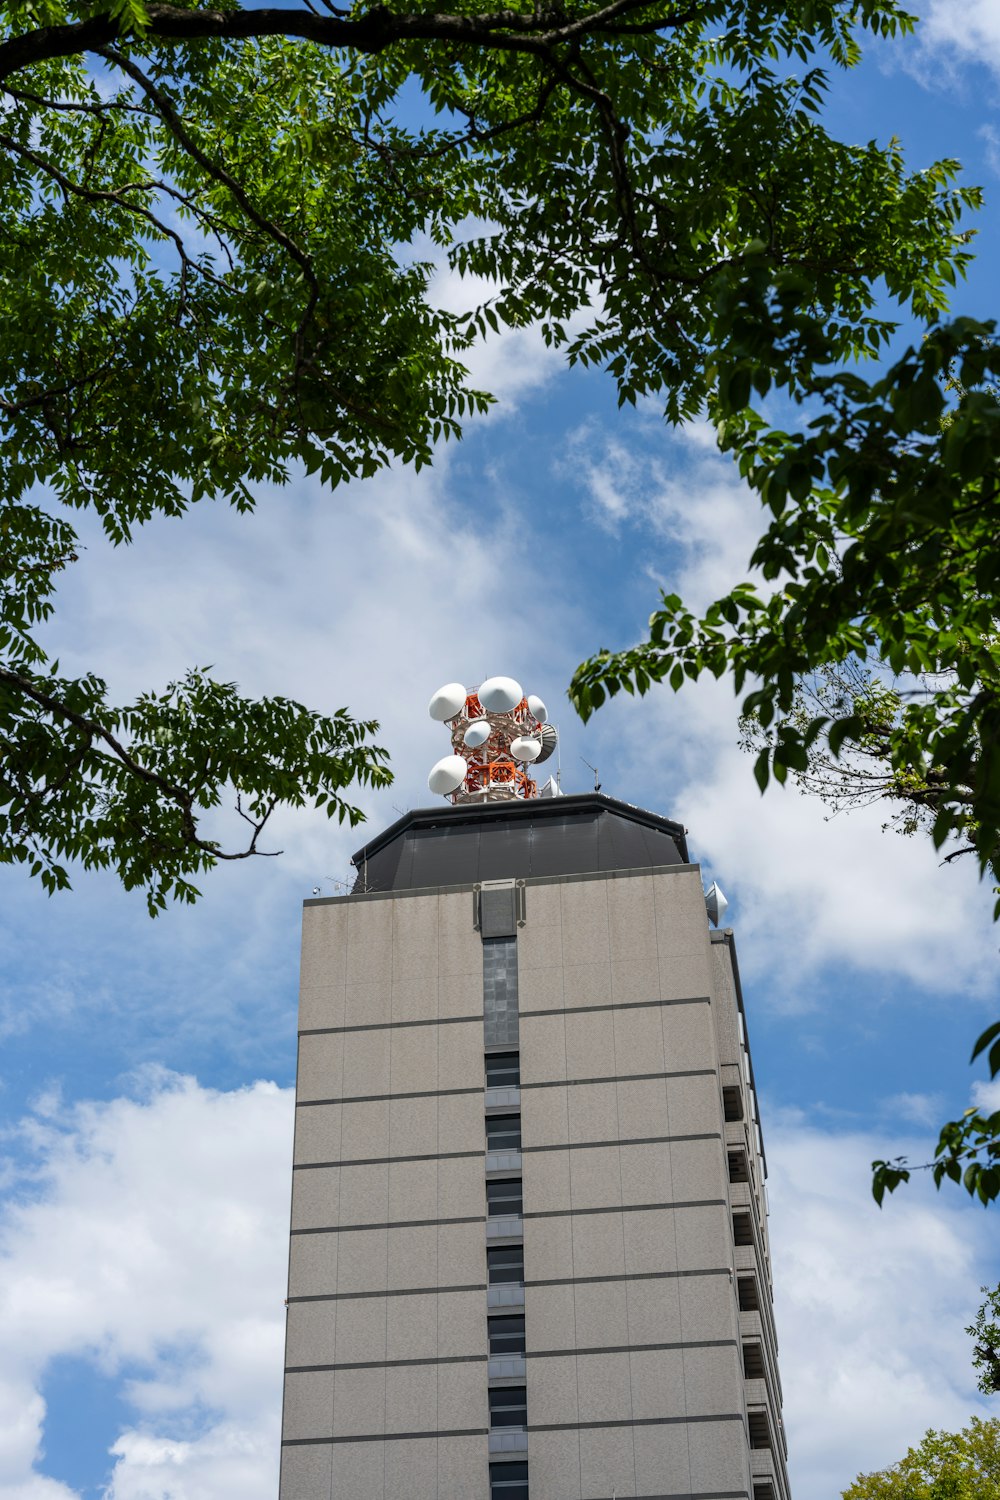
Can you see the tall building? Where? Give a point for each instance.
(529, 1250)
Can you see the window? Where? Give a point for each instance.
(506, 1335)
(747, 1288)
(753, 1361)
(738, 1171)
(509, 1406)
(505, 1263)
(504, 1197)
(742, 1229)
(509, 1481)
(503, 1132)
(503, 1070)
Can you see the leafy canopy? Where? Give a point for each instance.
(221, 227)
(943, 1466)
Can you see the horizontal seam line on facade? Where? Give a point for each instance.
(624, 1208)
(377, 1098)
(728, 1416)
(470, 1359)
(636, 1140)
(545, 1083)
(384, 1161)
(393, 1224)
(406, 1291)
(542, 1213)
(573, 1083)
(576, 1010)
(387, 1437)
(388, 1025)
(629, 1276)
(390, 1364)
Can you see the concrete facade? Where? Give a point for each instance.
(646, 1362)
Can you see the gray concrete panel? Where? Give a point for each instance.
(461, 994)
(462, 1469)
(548, 1249)
(642, 1107)
(552, 1395)
(662, 1466)
(635, 983)
(693, 1104)
(546, 1179)
(607, 1462)
(596, 1177)
(461, 1254)
(679, 907)
(638, 1040)
(587, 984)
(598, 1247)
(414, 1058)
(369, 944)
(543, 1048)
(364, 1195)
(362, 1261)
(654, 1312)
(657, 1383)
(586, 934)
(359, 1402)
(649, 1243)
(361, 1330)
(462, 1400)
(645, 1174)
(544, 1117)
(312, 1265)
(713, 1380)
(411, 1468)
(411, 1400)
(460, 1053)
(632, 919)
(601, 1315)
(312, 1328)
(698, 1168)
(413, 1260)
(415, 995)
(321, 1067)
(459, 944)
(460, 1122)
(413, 1127)
(590, 1044)
(554, 1465)
(308, 1405)
(593, 1111)
(410, 1325)
(461, 1188)
(688, 1037)
(549, 1317)
(366, 1063)
(539, 986)
(604, 1386)
(461, 1323)
(364, 1130)
(305, 1473)
(317, 1133)
(315, 1198)
(413, 1190)
(359, 1469)
(720, 1459)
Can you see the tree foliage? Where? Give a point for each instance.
(221, 228)
(985, 1333)
(943, 1466)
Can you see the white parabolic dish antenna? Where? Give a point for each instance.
(447, 702)
(477, 733)
(447, 775)
(525, 749)
(536, 708)
(499, 695)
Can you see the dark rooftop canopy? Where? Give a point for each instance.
(461, 845)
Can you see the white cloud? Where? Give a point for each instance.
(148, 1237)
(986, 1096)
(871, 1306)
(954, 32)
(916, 1109)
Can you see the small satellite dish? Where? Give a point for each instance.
(477, 733)
(525, 749)
(536, 708)
(447, 702)
(549, 740)
(715, 904)
(447, 775)
(499, 695)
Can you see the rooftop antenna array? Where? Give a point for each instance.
(496, 735)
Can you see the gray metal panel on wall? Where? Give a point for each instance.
(500, 992)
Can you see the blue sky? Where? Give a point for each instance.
(146, 1100)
